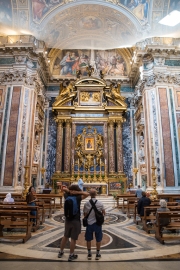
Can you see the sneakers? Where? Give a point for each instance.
(89, 256)
(72, 257)
(98, 256)
(60, 254)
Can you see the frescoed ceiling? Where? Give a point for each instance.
(90, 24)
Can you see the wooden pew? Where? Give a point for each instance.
(130, 206)
(15, 218)
(150, 214)
(50, 202)
(169, 197)
(124, 198)
(24, 206)
(173, 225)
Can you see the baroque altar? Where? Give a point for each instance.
(89, 114)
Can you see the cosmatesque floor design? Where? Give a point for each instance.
(122, 241)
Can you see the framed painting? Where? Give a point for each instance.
(89, 144)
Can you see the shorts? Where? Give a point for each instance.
(72, 229)
(94, 228)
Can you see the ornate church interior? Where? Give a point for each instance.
(91, 90)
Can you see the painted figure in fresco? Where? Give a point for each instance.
(5, 11)
(41, 7)
(66, 64)
(138, 7)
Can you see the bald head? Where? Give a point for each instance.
(92, 193)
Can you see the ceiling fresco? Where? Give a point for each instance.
(90, 24)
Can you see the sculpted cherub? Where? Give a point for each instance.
(78, 140)
(99, 140)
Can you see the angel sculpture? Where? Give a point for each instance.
(78, 140)
(116, 92)
(99, 140)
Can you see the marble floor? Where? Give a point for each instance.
(123, 242)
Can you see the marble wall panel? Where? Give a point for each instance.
(172, 62)
(11, 140)
(166, 134)
(4, 124)
(51, 147)
(127, 147)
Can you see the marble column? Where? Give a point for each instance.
(73, 146)
(119, 147)
(111, 147)
(67, 149)
(59, 145)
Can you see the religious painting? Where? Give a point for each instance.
(90, 23)
(6, 12)
(174, 5)
(139, 8)
(110, 62)
(90, 98)
(89, 143)
(71, 61)
(41, 7)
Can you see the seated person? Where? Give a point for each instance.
(144, 201)
(163, 208)
(31, 200)
(8, 198)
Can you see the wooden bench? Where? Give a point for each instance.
(174, 217)
(15, 218)
(50, 204)
(169, 197)
(124, 198)
(130, 206)
(150, 214)
(14, 206)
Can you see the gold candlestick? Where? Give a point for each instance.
(78, 168)
(100, 174)
(154, 193)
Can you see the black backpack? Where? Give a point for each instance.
(70, 207)
(99, 215)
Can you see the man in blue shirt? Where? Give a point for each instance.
(138, 192)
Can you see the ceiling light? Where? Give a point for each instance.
(171, 19)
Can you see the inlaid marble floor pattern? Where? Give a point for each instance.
(122, 241)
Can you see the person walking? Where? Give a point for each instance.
(92, 227)
(72, 224)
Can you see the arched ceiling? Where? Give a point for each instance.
(76, 24)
